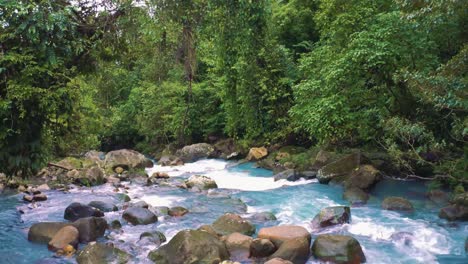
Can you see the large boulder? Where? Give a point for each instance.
(227, 149)
(76, 211)
(67, 235)
(329, 216)
(89, 176)
(363, 178)
(104, 206)
(394, 203)
(238, 245)
(201, 182)
(341, 167)
(127, 159)
(257, 154)
(338, 249)
(195, 152)
(279, 234)
(170, 160)
(355, 196)
(190, 246)
(260, 248)
(90, 228)
(231, 223)
(97, 253)
(44, 232)
(139, 216)
(296, 250)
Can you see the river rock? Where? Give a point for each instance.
(363, 178)
(141, 204)
(209, 229)
(201, 182)
(76, 211)
(438, 197)
(329, 216)
(154, 237)
(338, 249)
(264, 216)
(454, 212)
(28, 198)
(104, 206)
(257, 154)
(296, 250)
(67, 235)
(45, 231)
(397, 204)
(231, 223)
(238, 245)
(260, 248)
(278, 261)
(90, 228)
(279, 234)
(341, 167)
(139, 216)
(355, 196)
(97, 253)
(127, 159)
(195, 152)
(40, 197)
(43, 187)
(177, 211)
(115, 224)
(402, 237)
(170, 160)
(160, 175)
(191, 246)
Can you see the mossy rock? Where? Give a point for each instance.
(338, 249)
(98, 253)
(342, 167)
(191, 246)
(231, 223)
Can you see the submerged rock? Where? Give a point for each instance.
(279, 234)
(201, 182)
(438, 197)
(195, 152)
(154, 237)
(139, 216)
(397, 204)
(355, 196)
(294, 175)
(76, 211)
(67, 235)
(329, 216)
(257, 154)
(231, 223)
(260, 248)
(338, 249)
(190, 246)
(98, 253)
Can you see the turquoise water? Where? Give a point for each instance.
(429, 239)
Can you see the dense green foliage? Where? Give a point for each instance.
(377, 73)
